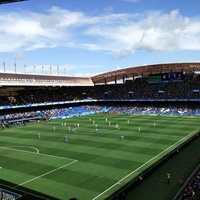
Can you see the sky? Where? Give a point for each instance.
(90, 37)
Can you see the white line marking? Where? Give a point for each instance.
(13, 147)
(45, 174)
(38, 153)
(119, 182)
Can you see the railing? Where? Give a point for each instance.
(180, 193)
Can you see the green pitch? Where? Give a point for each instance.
(88, 166)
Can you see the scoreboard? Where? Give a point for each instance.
(166, 77)
(172, 76)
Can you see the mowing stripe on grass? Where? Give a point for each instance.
(37, 152)
(14, 149)
(45, 174)
(119, 182)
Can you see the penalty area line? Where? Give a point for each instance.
(38, 153)
(14, 148)
(45, 174)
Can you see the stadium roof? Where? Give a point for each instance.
(16, 79)
(145, 70)
(10, 1)
(19, 79)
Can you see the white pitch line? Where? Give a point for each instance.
(119, 182)
(45, 174)
(38, 153)
(13, 147)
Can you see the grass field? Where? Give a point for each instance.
(88, 166)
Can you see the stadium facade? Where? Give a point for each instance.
(23, 79)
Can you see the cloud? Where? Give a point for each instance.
(39, 46)
(152, 32)
(120, 34)
(123, 53)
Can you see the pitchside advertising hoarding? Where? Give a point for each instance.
(8, 195)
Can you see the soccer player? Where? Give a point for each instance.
(38, 135)
(154, 125)
(74, 130)
(139, 129)
(116, 126)
(54, 128)
(96, 130)
(122, 137)
(168, 178)
(128, 121)
(65, 138)
(68, 128)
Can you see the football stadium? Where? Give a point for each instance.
(110, 136)
(131, 133)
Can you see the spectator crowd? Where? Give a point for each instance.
(139, 89)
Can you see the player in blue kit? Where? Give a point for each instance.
(122, 137)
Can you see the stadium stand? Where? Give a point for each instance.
(138, 90)
(191, 188)
(19, 92)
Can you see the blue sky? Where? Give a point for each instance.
(88, 37)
